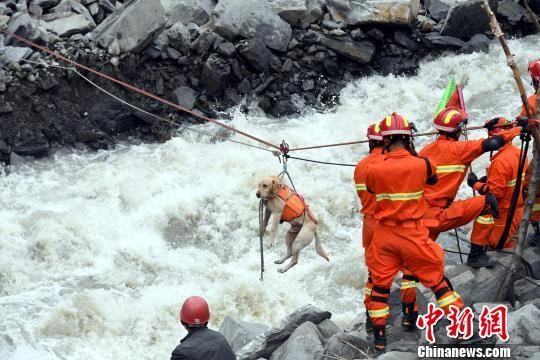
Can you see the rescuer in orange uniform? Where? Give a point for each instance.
(501, 181)
(453, 157)
(401, 240)
(369, 224)
(534, 70)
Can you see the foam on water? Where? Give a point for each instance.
(97, 250)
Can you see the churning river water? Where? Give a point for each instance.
(97, 250)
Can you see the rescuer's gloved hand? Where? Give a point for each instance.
(491, 200)
(472, 179)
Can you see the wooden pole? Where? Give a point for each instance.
(532, 15)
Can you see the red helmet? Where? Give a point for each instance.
(534, 70)
(502, 123)
(374, 132)
(395, 124)
(195, 311)
(450, 119)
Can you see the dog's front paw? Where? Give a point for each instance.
(269, 244)
(279, 261)
(281, 270)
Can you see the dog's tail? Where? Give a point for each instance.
(318, 246)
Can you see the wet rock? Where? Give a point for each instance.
(526, 352)
(303, 344)
(425, 24)
(361, 52)
(438, 9)
(215, 74)
(526, 291)
(226, 49)
(45, 4)
(265, 344)
(511, 11)
(22, 24)
(37, 148)
(179, 37)
(88, 136)
(185, 96)
(435, 41)
(376, 34)
(134, 26)
(239, 333)
(74, 24)
(251, 18)
(328, 328)
(531, 257)
(173, 53)
(523, 325)
(466, 19)
(479, 42)
(396, 12)
(186, 11)
(283, 108)
(404, 40)
(339, 345)
(357, 35)
(14, 54)
(298, 12)
(255, 53)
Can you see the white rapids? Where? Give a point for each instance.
(97, 250)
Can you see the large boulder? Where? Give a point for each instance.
(22, 24)
(362, 12)
(185, 96)
(71, 25)
(236, 19)
(255, 54)
(265, 344)
(360, 51)
(303, 344)
(435, 41)
(298, 12)
(523, 325)
(239, 333)
(346, 345)
(438, 9)
(466, 19)
(328, 328)
(531, 259)
(215, 74)
(133, 27)
(186, 11)
(511, 11)
(9, 54)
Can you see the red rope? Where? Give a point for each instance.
(140, 91)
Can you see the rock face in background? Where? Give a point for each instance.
(210, 55)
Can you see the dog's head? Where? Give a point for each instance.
(268, 187)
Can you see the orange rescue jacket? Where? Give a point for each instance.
(295, 205)
(398, 183)
(532, 104)
(366, 199)
(502, 176)
(453, 157)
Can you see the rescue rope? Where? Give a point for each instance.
(136, 89)
(320, 162)
(262, 229)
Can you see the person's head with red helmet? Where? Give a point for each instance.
(498, 124)
(396, 131)
(449, 121)
(194, 312)
(374, 136)
(534, 70)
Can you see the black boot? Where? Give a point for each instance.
(369, 323)
(477, 257)
(379, 338)
(408, 321)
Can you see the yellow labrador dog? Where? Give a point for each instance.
(283, 204)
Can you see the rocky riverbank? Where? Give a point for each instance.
(309, 333)
(208, 56)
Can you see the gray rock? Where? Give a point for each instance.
(186, 11)
(397, 355)
(251, 18)
(82, 10)
(265, 344)
(361, 51)
(185, 96)
(12, 54)
(339, 346)
(255, 54)
(22, 24)
(215, 74)
(5, 107)
(358, 34)
(337, 32)
(303, 344)
(466, 19)
(525, 291)
(134, 26)
(526, 352)
(173, 53)
(511, 11)
(438, 41)
(204, 42)
(328, 328)
(531, 257)
(404, 40)
(179, 37)
(36, 148)
(45, 4)
(479, 42)
(107, 5)
(424, 23)
(74, 24)
(376, 34)
(87, 136)
(359, 12)
(523, 325)
(329, 24)
(93, 9)
(239, 333)
(226, 49)
(298, 12)
(438, 9)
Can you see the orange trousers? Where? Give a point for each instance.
(408, 280)
(459, 213)
(487, 230)
(395, 247)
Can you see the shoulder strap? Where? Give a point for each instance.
(428, 165)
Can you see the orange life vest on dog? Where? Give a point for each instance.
(294, 205)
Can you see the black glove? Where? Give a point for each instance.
(472, 179)
(522, 121)
(483, 179)
(491, 200)
(413, 127)
(490, 125)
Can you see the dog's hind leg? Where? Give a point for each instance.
(302, 240)
(289, 239)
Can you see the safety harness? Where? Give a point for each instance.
(295, 206)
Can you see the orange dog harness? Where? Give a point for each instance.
(295, 206)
